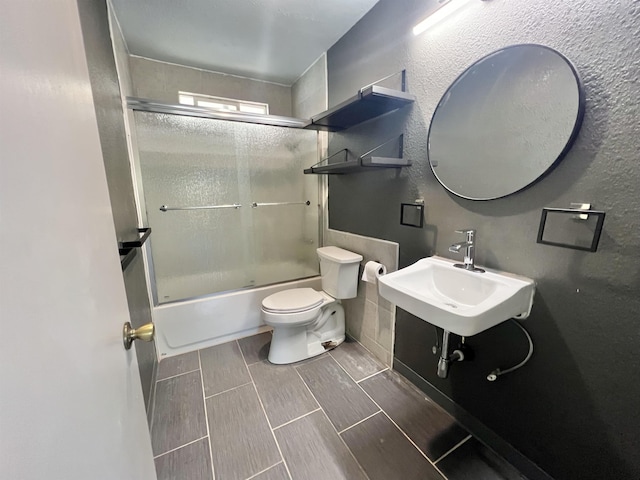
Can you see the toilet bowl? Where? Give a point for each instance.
(307, 322)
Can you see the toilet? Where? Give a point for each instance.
(307, 322)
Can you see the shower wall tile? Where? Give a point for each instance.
(355, 359)
(169, 367)
(342, 400)
(283, 393)
(178, 416)
(312, 449)
(370, 318)
(223, 368)
(384, 452)
(432, 429)
(242, 443)
(191, 462)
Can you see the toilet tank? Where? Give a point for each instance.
(339, 269)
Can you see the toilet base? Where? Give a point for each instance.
(294, 344)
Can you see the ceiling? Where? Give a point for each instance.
(272, 40)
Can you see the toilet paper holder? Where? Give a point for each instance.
(372, 270)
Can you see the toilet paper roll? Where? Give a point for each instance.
(372, 270)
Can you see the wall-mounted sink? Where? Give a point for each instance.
(458, 300)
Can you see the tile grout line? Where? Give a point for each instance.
(397, 426)
(265, 470)
(360, 421)
(206, 418)
(459, 444)
(152, 388)
(181, 446)
(297, 418)
(177, 375)
(371, 353)
(370, 376)
(153, 410)
(226, 391)
(331, 423)
(273, 434)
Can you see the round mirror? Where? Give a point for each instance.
(505, 122)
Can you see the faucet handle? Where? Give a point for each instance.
(465, 231)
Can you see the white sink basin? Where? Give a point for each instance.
(462, 302)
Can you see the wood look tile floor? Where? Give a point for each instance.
(226, 413)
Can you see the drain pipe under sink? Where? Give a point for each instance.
(445, 358)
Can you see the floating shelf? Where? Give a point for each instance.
(359, 165)
(370, 102)
(363, 163)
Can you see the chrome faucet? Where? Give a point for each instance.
(469, 251)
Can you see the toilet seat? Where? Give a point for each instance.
(294, 307)
(294, 300)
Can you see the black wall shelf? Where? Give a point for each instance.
(370, 102)
(366, 161)
(359, 165)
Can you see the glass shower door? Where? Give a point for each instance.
(230, 168)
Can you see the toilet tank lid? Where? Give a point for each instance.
(339, 255)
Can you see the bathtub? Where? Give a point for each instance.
(190, 325)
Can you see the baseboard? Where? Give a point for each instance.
(474, 426)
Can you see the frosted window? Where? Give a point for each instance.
(187, 162)
(222, 103)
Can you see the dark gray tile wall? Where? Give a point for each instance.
(340, 397)
(433, 430)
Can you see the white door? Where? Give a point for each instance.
(70, 397)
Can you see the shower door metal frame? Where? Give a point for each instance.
(135, 104)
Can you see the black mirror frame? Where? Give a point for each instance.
(572, 138)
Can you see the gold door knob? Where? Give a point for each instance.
(129, 334)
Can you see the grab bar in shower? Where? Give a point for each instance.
(165, 208)
(255, 204)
